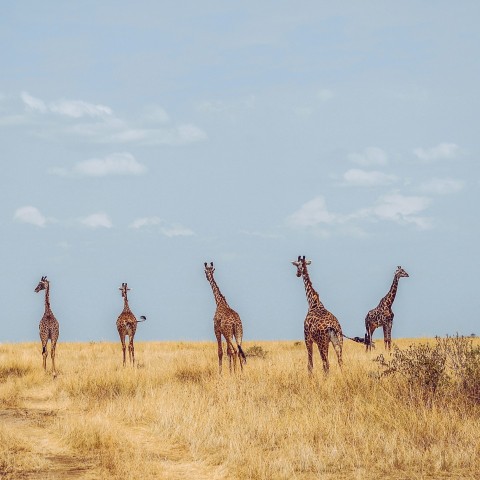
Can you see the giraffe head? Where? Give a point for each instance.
(42, 284)
(209, 269)
(400, 272)
(301, 265)
(124, 289)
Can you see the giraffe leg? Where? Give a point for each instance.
(309, 345)
(52, 354)
(131, 351)
(388, 335)
(44, 355)
(337, 345)
(44, 340)
(220, 352)
(385, 336)
(323, 349)
(122, 339)
(370, 331)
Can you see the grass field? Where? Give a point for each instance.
(174, 417)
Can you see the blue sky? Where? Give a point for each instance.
(140, 139)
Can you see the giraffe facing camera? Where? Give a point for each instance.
(320, 326)
(48, 327)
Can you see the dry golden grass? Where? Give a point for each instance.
(174, 417)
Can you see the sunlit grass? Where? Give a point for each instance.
(173, 413)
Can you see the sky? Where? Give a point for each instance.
(139, 140)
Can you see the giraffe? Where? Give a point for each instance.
(127, 325)
(48, 327)
(382, 315)
(226, 322)
(320, 326)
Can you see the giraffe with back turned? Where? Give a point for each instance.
(382, 315)
(320, 326)
(127, 326)
(48, 327)
(226, 322)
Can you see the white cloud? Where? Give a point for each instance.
(169, 230)
(98, 124)
(441, 151)
(230, 107)
(156, 114)
(79, 108)
(260, 234)
(145, 222)
(114, 164)
(311, 213)
(402, 209)
(177, 231)
(97, 220)
(31, 215)
(442, 186)
(361, 178)
(370, 156)
(70, 108)
(395, 207)
(175, 135)
(324, 95)
(33, 104)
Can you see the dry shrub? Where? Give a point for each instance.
(256, 351)
(448, 368)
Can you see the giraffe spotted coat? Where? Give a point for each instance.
(48, 327)
(226, 322)
(382, 315)
(321, 326)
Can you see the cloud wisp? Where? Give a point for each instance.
(369, 157)
(31, 215)
(114, 164)
(97, 123)
(442, 186)
(440, 152)
(395, 207)
(96, 220)
(165, 228)
(362, 178)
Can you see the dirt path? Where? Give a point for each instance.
(36, 421)
(53, 459)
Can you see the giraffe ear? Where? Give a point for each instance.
(308, 262)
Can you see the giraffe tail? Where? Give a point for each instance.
(241, 353)
(142, 319)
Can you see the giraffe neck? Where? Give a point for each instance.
(219, 298)
(126, 308)
(390, 296)
(312, 296)
(47, 299)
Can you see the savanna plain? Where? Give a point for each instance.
(172, 416)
